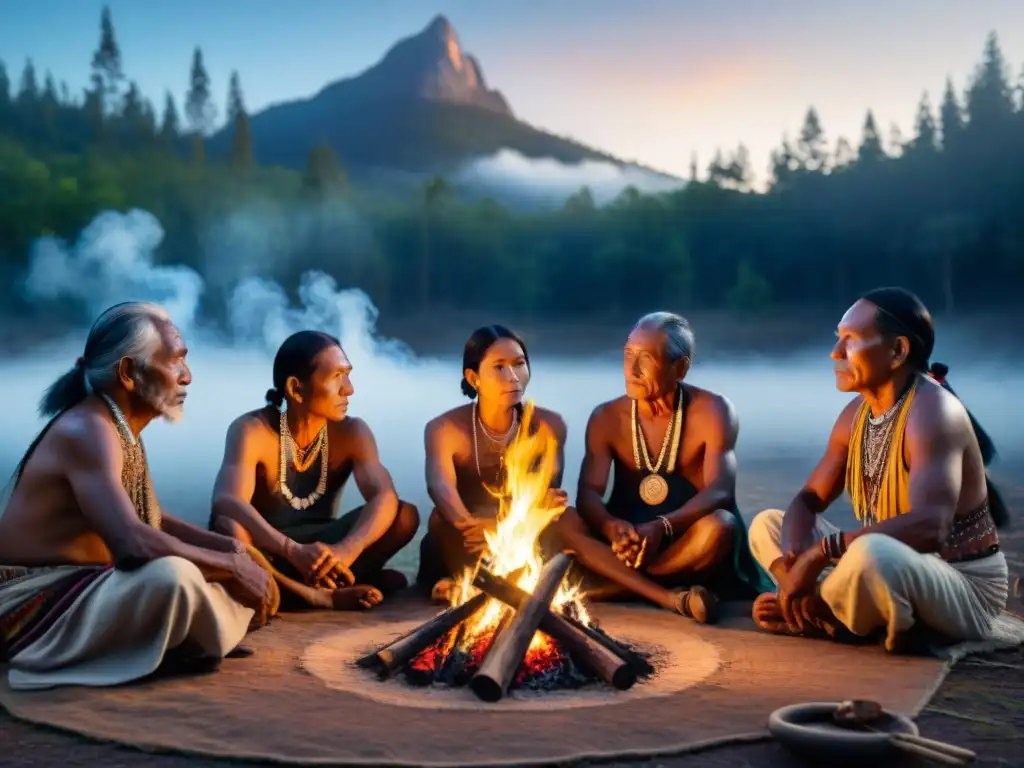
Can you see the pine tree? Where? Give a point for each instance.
(925, 133)
(738, 173)
(812, 147)
(896, 143)
(199, 107)
(951, 119)
(870, 150)
(28, 93)
(107, 70)
(241, 141)
(693, 166)
(989, 102)
(718, 169)
(323, 170)
(783, 163)
(5, 89)
(844, 154)
(170, 124)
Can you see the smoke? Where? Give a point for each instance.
(547, 178)
(114, 260)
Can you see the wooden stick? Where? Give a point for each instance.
(504, 590)
(596, 658)
(914, 748)
(392, 656)
(951, 750)
(506, 653)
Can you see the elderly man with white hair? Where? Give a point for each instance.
(98, 586)
(669, 532)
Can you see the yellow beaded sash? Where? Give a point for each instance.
(894, 490)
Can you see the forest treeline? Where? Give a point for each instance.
(940, 211)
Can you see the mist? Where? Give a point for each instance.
(786, 403)
(549, 180)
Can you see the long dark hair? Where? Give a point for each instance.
(481, 340)
(996, 503)
(297, 357)
(130, 329)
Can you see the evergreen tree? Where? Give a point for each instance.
(718, 169)
(951, 118)
(896, 143)
(738, 173)
(28, 93)
(199, 107)
(170, 124)
(870, 150)
(783, 163)
(693, 166)
(844, 154)
(5, 90)
(925, 133)
(241, 140)
(812, 146)
(323, 170)
(107, 70)
(989, 101)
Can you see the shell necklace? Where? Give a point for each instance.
(290, 453)
(654, 487)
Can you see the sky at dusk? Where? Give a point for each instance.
(648, 80)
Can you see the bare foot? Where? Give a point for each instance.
(767, 615)
(359, 597)
(697, 603)
(388, 580)
(443, 591)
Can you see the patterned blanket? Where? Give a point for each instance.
(32, 599)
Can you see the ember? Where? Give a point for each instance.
(545, 667)
(514, 620)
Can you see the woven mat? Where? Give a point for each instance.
(272, 707)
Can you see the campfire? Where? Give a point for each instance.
(515, 621)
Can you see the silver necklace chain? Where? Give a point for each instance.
(287, 455)
(501, 441)
(877, 445)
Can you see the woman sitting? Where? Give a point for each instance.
(465, 449)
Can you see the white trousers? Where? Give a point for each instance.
(881, 582)
(122, 625)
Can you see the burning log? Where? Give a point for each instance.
(506, 653)
(391, 657)
(603, 662)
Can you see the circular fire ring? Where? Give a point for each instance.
(681, 660)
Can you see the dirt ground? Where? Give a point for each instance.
(980, 706)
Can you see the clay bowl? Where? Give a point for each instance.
(809, 731)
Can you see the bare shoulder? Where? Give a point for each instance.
(843, 427)
(937, 413)
(609, 412)
(451, 422)
(83, 429)
(251, 425)
(711, 408)
(553, 419)
(350, 429)
(81, 439)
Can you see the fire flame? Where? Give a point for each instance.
(524, 512)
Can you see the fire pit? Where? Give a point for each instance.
(514, 620)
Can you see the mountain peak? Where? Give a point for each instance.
(432, 65)
(441, 27)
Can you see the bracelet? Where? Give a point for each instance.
(833, 546)
(667, 525)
